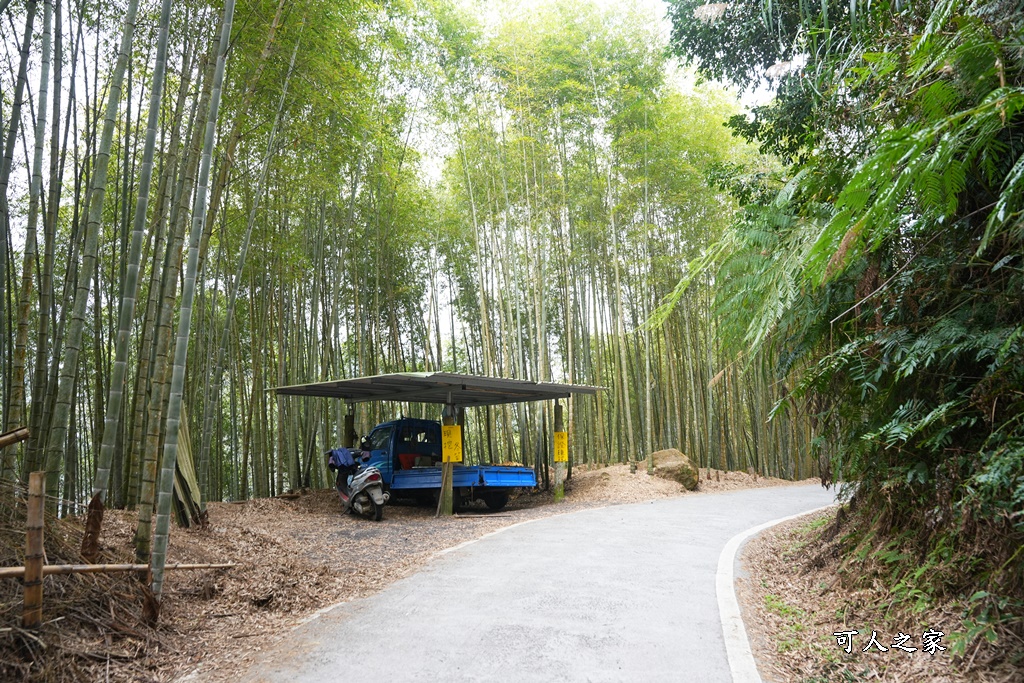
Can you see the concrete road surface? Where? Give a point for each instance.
(622, 593)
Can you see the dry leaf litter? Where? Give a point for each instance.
(795, 593)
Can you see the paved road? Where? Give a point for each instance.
(623, 593)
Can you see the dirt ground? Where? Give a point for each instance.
(292, 557)
(794, 598)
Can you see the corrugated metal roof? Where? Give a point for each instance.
(437, 387)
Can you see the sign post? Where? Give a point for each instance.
(451, 453)
(561, 452)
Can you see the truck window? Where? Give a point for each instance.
(408, 436)
(380, 439)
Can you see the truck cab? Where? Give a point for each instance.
(403, 445)
(408, 454)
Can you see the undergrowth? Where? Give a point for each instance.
(92, 623)
(794, 622)
(958, 575)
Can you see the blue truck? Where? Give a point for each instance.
(408, 454)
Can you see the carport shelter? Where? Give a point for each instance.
(450, 390)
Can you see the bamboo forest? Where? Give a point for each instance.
(393, 188)
(784, 238)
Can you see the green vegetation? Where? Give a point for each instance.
(882, 267)
(814, 525)
(793, 618)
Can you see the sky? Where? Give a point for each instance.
(435, 149)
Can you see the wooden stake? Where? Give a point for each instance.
(93, 527)
(32, 615)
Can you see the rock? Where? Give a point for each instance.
(673, 464)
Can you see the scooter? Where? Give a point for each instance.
(360, 488)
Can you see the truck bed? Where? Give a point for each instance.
(465, 476)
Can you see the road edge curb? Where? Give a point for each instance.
(737, 646)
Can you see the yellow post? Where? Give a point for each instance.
(32, 615)
(561, 452)
(451, 453)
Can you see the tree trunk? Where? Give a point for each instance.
(5, 235)
(163, 516)
(69, 369)
(112, 422)
(15, 415)
(236, 128)
(158, 361)
(165, 199)
(229, 313)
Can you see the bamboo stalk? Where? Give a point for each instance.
(47, 570)
(14, 436)
(32, 615)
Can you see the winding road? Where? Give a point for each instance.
(622, 593)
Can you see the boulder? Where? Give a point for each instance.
(673, 464)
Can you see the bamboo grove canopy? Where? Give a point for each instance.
(438, 387)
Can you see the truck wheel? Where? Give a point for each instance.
(496, 501)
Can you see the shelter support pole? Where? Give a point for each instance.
(561, 452)
(451, 452)
(32, 615)
(348, 438)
